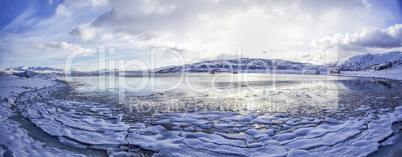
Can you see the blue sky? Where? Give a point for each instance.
(44, 33)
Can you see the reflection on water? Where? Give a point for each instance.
(369, 83)
(218, 84)
(296, 94)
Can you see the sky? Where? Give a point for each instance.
(50, 32)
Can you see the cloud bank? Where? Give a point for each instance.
(201, 29)
(368, 37)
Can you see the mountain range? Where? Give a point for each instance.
(361, 62)
(369, 61)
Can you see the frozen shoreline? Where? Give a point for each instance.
(14, 139)
(169, 134)
(394, 73)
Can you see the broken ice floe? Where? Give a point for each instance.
(210, 133)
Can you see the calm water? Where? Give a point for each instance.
(223, 84)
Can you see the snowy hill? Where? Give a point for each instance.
(58, 72)
(369, 61)
(253, 65)
(24, 70)
(36, 69)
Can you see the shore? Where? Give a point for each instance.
(394, 73)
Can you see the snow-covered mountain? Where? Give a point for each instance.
(250, 65)
(254, 65)
(36, 69)
(24, 70)
(369, 61)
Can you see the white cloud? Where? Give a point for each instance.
(202, 18)
(107, 36)
(84, 32)
(272, 26)
(395, 31)
(58, 45)
(367, 38)
(153, 19)
(63, 10)
(29, 39)
(72, 7)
